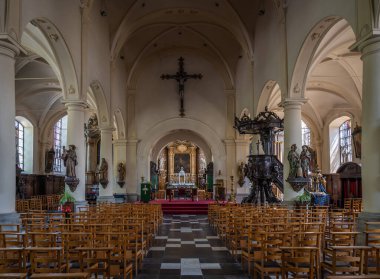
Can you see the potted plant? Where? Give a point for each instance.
(67, 202)
(304, 199)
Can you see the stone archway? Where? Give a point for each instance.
(55, 51)
(145, 147)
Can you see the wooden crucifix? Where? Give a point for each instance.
(181, 77)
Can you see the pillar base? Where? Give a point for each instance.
(132, 197)
(106, 199)
(78, 204)
(362, 219)
(10, 218)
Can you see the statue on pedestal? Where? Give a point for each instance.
(121, 174)
(305, 159)
(294, 161)
(69, 158)
(102, 173)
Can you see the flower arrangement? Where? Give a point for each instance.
(304, 199)
(67, 202)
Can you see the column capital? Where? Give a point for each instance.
(293, 102)
(106, 129)
(120, 142)
(75, 104)
(9, 46)
(229, 142)
(363, 44)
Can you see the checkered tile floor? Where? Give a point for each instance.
(186, 247)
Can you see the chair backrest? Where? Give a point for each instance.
(12, 260)
(46, 259)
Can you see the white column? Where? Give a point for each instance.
(119, 156)
(132, 180)
(75, 136)
(292, 135)
(7, 128)
(231, 163)
(371, 125)
(106, 153)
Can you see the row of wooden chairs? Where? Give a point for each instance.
(42, 202)
(354, 204)
(107, 238)
(277, 239)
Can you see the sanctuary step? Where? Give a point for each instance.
(183, 206)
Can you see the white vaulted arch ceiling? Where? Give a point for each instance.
(219, 31)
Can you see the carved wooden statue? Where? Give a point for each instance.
(294, 161)
(102, 173)
(305, 159)
(69, 158)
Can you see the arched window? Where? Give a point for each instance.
(345, 147)
(305, 134)
(60, 136)
(19, 144)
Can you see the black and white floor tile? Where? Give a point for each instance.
(186, 247)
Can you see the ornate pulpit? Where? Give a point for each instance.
(262, 170)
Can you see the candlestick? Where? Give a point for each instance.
(232, 195)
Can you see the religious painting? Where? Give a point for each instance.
(182, 160)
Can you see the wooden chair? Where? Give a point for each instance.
(249, 250)
(12, 263)
(372, 238)
(95, 260)
(270, 253)
(46, 259)
(12, 239)
(71, 241)
(132, 239)
(44, 239)
(121, 258)
(299, 261)
(346, 260)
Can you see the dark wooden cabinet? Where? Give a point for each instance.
(345, 184)
(36, 184)
(333, 188)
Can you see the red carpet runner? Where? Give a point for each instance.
(183, 206)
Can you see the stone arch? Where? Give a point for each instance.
(96, 90)
(306, 55)
(47, 128)
(182, 135)
(164, 128)
(338, 114)
(270, 96)
(127, 28)
(215, 57)
(120, 124)
(45, 39)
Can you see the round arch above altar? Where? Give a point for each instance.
(162, 129)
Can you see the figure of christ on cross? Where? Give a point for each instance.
(181, 77)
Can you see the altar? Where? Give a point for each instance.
(180, 185)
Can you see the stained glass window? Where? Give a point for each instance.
(19, 144)
(345, 146)
(305, 134)
(60, 129)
